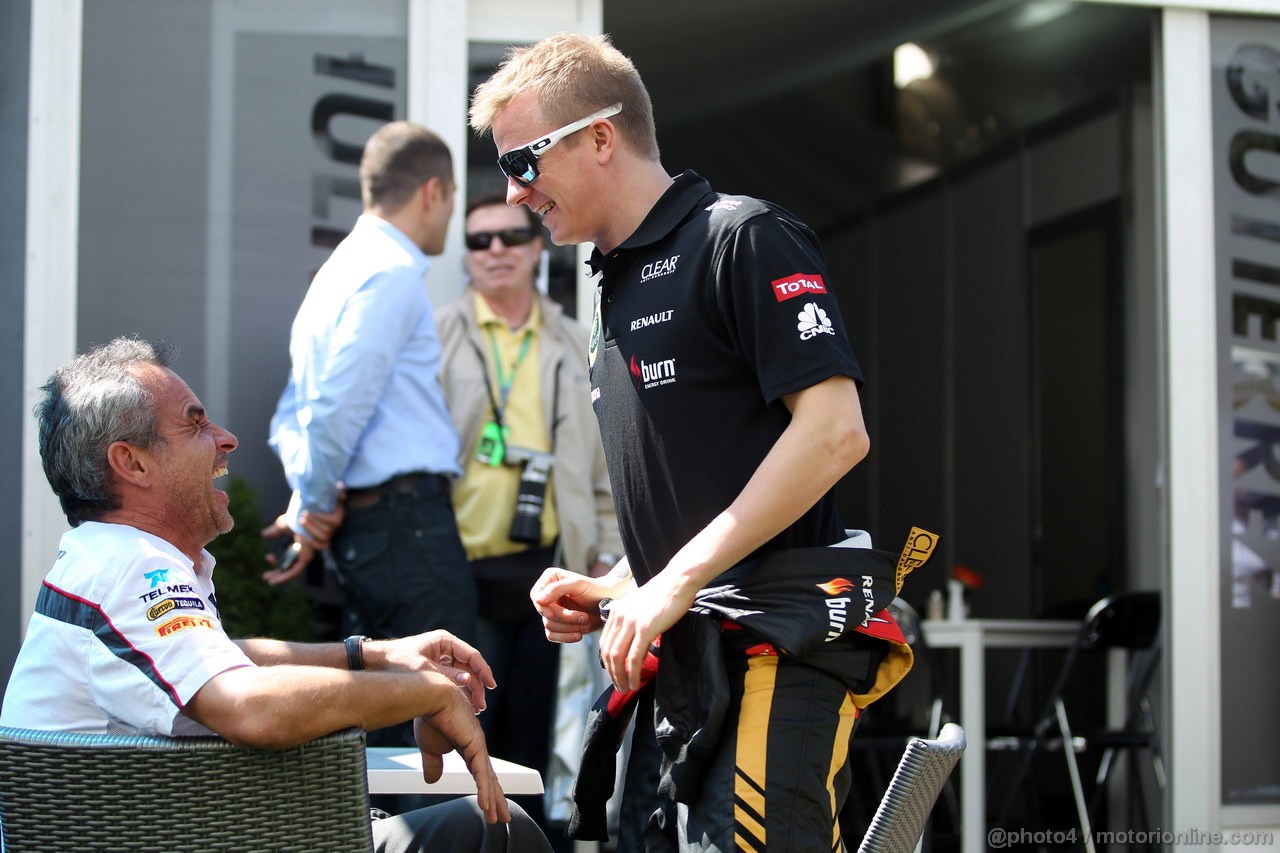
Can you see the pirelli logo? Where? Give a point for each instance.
(917, 551)
(182, 623)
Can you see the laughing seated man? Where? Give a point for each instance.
(132, 456)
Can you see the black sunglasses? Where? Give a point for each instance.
(480, 240)
(521, 164)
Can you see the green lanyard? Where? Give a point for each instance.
(505, 381)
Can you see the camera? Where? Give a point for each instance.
(531, 497)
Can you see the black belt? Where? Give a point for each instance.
(401, 484)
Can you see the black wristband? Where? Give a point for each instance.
(355, 651)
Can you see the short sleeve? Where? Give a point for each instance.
(778, 302)
(161, 640)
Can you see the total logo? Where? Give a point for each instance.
(650, 374)
(797, 285)
(813, 322)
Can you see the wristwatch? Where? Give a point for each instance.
(355, 651)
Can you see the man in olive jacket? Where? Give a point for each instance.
(534, 490)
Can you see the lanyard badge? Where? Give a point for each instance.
(491, 449)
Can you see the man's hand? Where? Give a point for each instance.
(320, 526)
(439, 651)
(279, 574)
(634, 622)
(317, 530)
(569, 603)
(455, 727)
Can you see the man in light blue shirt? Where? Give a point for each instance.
(362, 428)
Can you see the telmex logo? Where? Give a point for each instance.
(182, 623)
(157, 577)
(797, 285)
(158, 610)
(836, 586)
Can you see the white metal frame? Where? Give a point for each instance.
(53, 210)
(1186, 239)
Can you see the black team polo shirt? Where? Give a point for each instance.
(713, 310)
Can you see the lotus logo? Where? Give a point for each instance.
(835, 586)
(813, 322)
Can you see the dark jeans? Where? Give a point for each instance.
(403, 571)
(402, 567)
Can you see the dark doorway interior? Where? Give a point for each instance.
(1075, 276)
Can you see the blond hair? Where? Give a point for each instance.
(572, 75)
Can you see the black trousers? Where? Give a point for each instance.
(518, 721)
(457, 825)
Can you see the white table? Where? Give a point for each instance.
(973, 637)
(398, 770)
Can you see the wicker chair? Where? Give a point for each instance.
(904, 810)
(68, 791)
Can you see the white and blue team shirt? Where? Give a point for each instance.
(124, 633)
(706, 317)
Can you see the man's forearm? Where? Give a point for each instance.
(281, 706)
(826, 438)
(267, 652)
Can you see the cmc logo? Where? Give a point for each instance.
(797, 285)
(813, 321)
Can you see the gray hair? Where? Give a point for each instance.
(89, 403)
